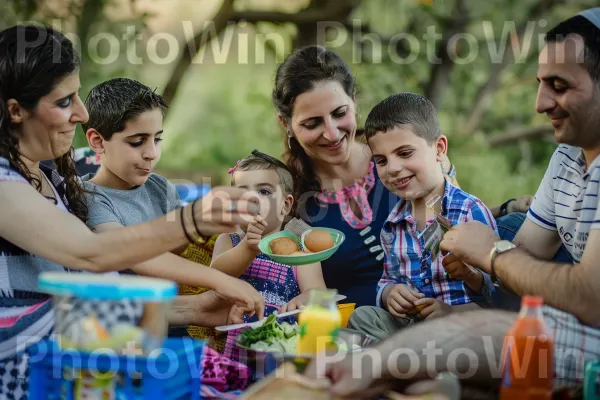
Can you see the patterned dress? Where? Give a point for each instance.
(276, 282)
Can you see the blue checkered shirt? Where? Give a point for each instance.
(405, 254)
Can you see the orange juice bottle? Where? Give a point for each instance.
(528, 355)
(319, 323)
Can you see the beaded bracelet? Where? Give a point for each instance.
(200, 238)
(187, 235)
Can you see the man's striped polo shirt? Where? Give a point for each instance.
(567, 200)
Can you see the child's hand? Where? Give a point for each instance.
(456, 269)
(254, 232)
(297, 302)
(401, 299)
(432, 308)
(241, 294)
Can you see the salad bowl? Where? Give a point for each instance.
(263, 362)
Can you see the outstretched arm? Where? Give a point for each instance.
(233, 261)
(206, 309)
(30, 222)
(574, 288)
(309, 277)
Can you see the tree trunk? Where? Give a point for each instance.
(90, 11)
(484, 95)
(441, 71)
(485, 92)
(307, 21)
(324, 10)
(517, 135)
(190, 49)
(307, 35)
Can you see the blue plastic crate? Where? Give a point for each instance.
(173, 373)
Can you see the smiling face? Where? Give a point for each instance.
(47, 131)
(275, 205)
(407, 165)
(324, 122)
(129, 156)
(567, 94)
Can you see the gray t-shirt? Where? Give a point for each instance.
(149, 201)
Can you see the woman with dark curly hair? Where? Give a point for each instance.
(43, 211)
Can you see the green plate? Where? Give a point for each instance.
(310, 258)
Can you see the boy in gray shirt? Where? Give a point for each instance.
(125, 129)
(126, 207)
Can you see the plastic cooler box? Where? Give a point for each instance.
(109, 341)
(170, 373)
(100, 311)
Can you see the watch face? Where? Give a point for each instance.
(504, 245)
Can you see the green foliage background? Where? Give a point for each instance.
(223, 110)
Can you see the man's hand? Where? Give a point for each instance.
(432, 308)
(472, 243)
(345, 382)
(457, 269)
(400, 299)
(254, 232)
(520, 205)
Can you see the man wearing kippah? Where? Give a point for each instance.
(565, 211)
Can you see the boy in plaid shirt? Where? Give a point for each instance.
(418, 281)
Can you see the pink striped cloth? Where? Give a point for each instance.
(221, 375)
(10, 321)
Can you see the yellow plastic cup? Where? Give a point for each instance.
(346, 310)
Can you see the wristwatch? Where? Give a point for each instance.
(500, 247)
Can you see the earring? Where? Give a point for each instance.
(289, 140)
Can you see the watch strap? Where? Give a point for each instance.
(504, 207)
(493, 276)
(494, 254)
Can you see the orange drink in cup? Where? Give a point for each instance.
(319, 322)
(345, 311)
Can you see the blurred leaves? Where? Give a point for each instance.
(223, 110)
(233, 121)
